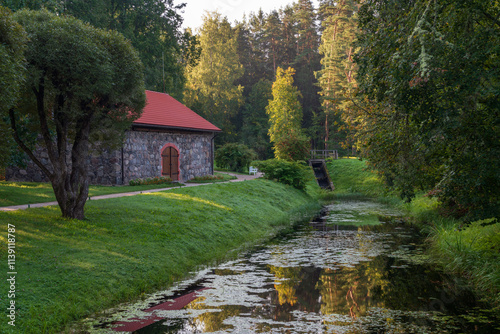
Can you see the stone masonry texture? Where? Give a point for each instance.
(140, 157)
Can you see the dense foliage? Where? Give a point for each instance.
(293, 173)
(211, 89)
(234, 156)
(12, 46)
(153, 27)
(294, 146)
(285, 118)
(337, 75)
(429, 83)
(84, 86)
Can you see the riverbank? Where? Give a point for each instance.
(131, 246)
(470, 250)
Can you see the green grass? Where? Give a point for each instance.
(17, 193)
(352, 180)
(129, 246)
(217, 177)
(472, 251)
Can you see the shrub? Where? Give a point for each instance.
(234, 156)
(150, 180)
(207, 178)
(293, 173)
(293, 146)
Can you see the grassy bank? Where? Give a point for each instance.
(471, 250)
(353, 181)
(17, 193)
(134, 245)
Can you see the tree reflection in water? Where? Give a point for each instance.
(330, 279)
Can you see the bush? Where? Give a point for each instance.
(207, 178)
(294, 146)
(292, 173)
(235, 157)
(150, 180)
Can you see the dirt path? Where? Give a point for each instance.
(94, 198)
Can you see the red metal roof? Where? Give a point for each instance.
(162, 110)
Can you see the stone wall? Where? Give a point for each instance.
(31, 172)
(142, 153)
(105, 168)
(141, 158)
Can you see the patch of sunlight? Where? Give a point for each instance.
(37, 235)
(183, 197)
(83, 249)
(116, 254)
(82, 265)
(24, 185)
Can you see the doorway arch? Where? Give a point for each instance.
(170, 162)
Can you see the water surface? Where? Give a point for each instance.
(345, 272)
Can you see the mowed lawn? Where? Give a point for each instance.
(17, 193)
(129, 246)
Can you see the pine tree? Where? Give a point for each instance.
(307, 60)
(336, 78)
(211, 89)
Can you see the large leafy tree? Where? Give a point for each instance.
(212, 90)
(84, 86)
(285, 118)
(153, 27)
(428, 71)
(12, 71)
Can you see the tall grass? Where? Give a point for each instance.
(473, 251)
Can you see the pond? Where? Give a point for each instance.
(358, 268)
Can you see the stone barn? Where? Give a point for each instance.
(169, 139)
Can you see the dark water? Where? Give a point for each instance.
(331, 276)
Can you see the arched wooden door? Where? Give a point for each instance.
(170, 163)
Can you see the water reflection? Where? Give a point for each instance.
(324, 279)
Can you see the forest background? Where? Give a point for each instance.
(410, 85)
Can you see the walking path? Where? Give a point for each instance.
(93, 198)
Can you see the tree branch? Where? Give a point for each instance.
(43, 121)
(370, 113)
(24, 147)
(61, 132)
(488, 16)
(79, 153)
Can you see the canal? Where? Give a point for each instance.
(358, 268)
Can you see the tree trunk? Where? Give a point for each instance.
(70, 183)
(73, 187)
(71, 202)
